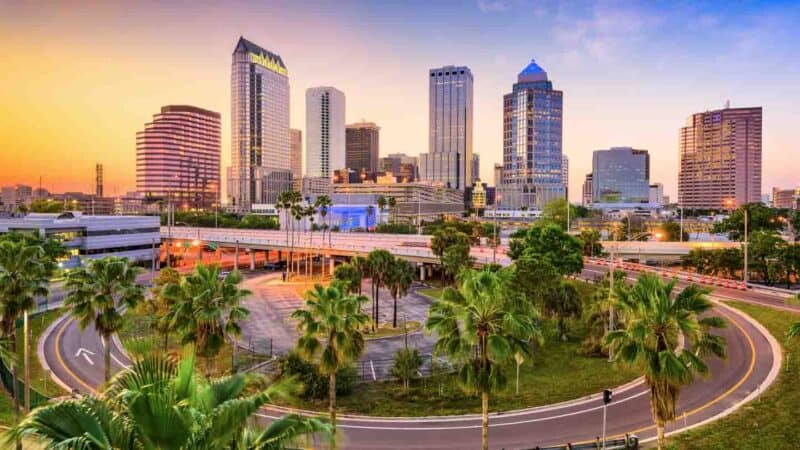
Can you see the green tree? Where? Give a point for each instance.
(323, 204)
(671, 232)
(590, 240)
(655, 320)
(331, 326)
(407, 364)
(159, 404)
(480, 326)
(205, 308)
(257, 222)
(444, 238)
(763, 250)
(391, 202)
(549, 243)
(399, 280)
(362, 265)
(455, 259)
(158, 305)
(369, 211)
(759, 218)
(595, 313)
(562, 303)
(349, 276)
(380, 264)
(381, 202)
(789, 261)
(47, 205)
(555, 212)
(23, 277)
(97, 295)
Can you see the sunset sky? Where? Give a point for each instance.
(78, 81)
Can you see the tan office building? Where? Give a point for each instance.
(720, 159)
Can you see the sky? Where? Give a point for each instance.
(78, 79)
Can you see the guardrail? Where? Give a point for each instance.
(668, 272)
(629, 442)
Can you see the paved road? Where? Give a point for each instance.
(747, 368)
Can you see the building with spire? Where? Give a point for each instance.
(260, 152)
(532, 141)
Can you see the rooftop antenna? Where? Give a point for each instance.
(727, 104)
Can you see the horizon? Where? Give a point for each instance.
(82, 80)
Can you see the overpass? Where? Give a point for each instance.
(415, 248)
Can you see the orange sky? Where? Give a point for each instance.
(78, 81)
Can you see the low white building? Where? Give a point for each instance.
(137, 238)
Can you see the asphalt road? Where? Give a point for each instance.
(750, 361)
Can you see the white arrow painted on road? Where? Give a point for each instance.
(85, 353)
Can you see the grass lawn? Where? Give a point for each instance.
(386, 330)
(558, 372)
(40, 380)
(769, 422)
(433, 293)
(137, 336)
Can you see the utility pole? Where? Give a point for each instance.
(745, 247)
(611, 299)
(606, 401)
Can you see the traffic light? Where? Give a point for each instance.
(606, 397)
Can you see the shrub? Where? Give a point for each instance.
(315, 385)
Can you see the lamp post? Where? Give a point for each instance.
(497, 200)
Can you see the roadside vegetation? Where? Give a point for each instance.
(769, 422)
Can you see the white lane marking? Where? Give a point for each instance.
(465, 427)
(85, 353)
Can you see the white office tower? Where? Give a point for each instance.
(325, 131)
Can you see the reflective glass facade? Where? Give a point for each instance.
(259, 122)
(532, 141)
(621, 175)
(449, 158)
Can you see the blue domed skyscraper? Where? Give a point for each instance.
(532, 137)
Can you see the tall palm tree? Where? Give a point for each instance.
(160, 404)
(97, 295)
(331, 326)
(481, 326)
(323, 203)
(23, 277)
(654, 321)
(206, 309)
(391, 202)
(362, 266)
(380, 264)
(370, 211)
(399, 280)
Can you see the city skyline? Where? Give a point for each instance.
(65, 93)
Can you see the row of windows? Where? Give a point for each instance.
(99, 251)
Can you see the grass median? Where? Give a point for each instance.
(770, 421)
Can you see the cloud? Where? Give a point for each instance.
(493, 5)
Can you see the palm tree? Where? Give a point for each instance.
(97, 295)
(381, 201)
(362, 266)
(324, 203)
(370, 211)
(330, 325)
(206, 309)
(160, 404)
(380, 264)
(481, 326)
(399, 281)
(391, 203)
(23, 277)
(654, 322)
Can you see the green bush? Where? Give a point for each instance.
(314, 384)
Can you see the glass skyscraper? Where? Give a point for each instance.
(620, 176)
(532, 136)
(449, 158)
(260, 160)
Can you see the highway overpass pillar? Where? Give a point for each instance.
(252, 259)
(332, 265)
(422, 272)
(236, 257)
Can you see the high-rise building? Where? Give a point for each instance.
(325, 131)
(362, 147)
(402, 166)
(449, 158)
(720, 159)
(657, 194)
(260, 161)
(785, 198)
(620, 176)
(98, 179)
(498, 174)
(476, 167)
(586, 200)
(178, 157)
(296, 157)
(15, 196)
(565, 174)
(532, 141)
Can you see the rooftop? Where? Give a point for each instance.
(246, 46)
(532, 73)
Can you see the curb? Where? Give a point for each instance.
(40, 351)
